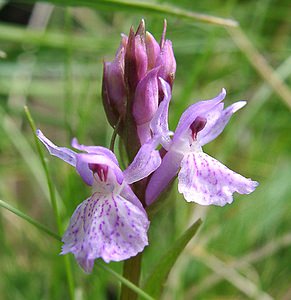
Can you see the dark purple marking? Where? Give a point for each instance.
(101, 170)
(198, 124)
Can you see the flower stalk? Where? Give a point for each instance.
(132, 272)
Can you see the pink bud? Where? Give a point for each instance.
(136, 61)
(130, 65)
(167, 63)
(141, 56)
(163, 37)
(153, 50)
(123, 43)
(113, 87)
(146, 98)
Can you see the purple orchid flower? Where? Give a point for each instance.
(112, 223)
(202, 179)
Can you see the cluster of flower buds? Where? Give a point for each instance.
(137, 86)
(131, 90)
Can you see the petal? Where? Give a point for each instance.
(82, 166)
(216, 121)
(113, 82)
(163, 176)
(166, 60)
(159, 123)
(153, 50)
(146, 98)
(204, 180)
(108, 227)
(129, 195)
(95, 150)
(67, 155)
(198, 109)
(146, 161)
(140, 54)
(144, 133)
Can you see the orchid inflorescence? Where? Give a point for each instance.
(112, 223)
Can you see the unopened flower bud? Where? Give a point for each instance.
(146, 98)
(135, 57)
(166, 61)
(153, 50)
(146, 103)
(163, 37)
(131, 89)
(141, 56)
(113, 86)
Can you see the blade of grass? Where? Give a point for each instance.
(46, 230)
(161, 9)
(241, 282)
(2, 54)
(46, 171)
(53, 39)
(68, 78)
(24, 149)
(30, 220)
(155, 282)
(260, 64)
(270, 248)
(53, 199)
(126, 282)
(256, 103)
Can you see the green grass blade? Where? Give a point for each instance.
(159, 274)
(23, 147)
(52, 39)
(45, 168)
(30, 220)
(258, 100)
(260, 64)
(126, 282)
(3, 54)
(155, 8)
(52, 193)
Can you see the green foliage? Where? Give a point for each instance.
(55, 69)
(157, 278)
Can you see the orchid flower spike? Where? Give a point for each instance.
(201, 178)
(112, 223)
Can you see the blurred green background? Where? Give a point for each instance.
(52, 62)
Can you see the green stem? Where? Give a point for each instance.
(114, 135)
(131, 271)
(53, 198)
(126, 282)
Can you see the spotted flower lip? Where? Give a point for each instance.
(111, 224)
(201, 178)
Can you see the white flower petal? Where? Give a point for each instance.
(204, 180)
(109, 227)
(67, 155)
(95, 150)
(216, 121)
(146, 161)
